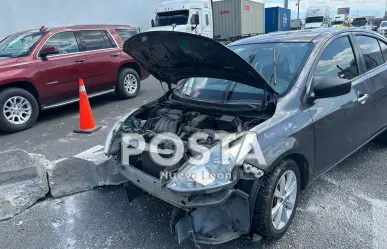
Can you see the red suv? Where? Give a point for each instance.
(40, 69)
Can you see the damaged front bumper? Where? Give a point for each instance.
(209, 218)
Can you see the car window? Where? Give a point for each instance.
(337, 60)
(65, 42)
(94, 40)
(178, 17)
(289, 57)
(371, 51)
(109, 39)
(383, 46)
(125, 34)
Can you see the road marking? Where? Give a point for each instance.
(89, 152)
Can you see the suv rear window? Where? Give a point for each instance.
(126, 33)
(95, 40)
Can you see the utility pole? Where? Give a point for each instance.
(385, 11)
(286, 4)
(298, 9)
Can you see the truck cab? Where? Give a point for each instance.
(317, 17)
(339, 21)
(188, 16)
(363, 22)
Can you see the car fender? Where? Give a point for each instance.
(280, 136)
(20, 72)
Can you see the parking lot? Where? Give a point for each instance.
(345, 208)
(310, 90)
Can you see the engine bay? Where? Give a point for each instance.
(184, 122)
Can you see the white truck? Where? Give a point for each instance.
(222, 20)
(295, 24)
(363, 22)
(317, 17)
(338, 21)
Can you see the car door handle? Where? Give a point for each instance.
(114, 55)
(362, 98)
(80, 61)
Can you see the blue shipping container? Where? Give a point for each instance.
(277, 19)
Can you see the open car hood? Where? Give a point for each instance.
(172, 56)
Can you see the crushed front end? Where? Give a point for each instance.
(208, 211)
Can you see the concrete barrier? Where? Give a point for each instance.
(82, 172)
(23, 181)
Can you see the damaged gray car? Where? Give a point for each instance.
(308, 96)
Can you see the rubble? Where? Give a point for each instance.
(82, 172)
(23, 181)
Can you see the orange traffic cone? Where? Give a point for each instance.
(87, 123)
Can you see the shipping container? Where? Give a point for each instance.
(234, 19)
(277, 19)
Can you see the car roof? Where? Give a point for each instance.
(78, 27)
(309, 35)
(96, 26)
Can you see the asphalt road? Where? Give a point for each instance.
(53, 134)
(346, 208)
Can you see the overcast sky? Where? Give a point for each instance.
(358, 7)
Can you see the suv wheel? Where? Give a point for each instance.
(19, 110)
(128, 85)
(277, 201)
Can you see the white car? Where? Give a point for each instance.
(383, 28)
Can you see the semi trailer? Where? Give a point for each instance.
(222, 20)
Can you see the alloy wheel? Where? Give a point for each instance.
(284, 200)
(130, 83)
(17, 110)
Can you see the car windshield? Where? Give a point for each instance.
(314, 19)
(359, 22)
(289, 58)
(384, 24)
(20, 44)
(172, 17)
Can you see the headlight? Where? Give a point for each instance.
(111, 141)
(213, 175)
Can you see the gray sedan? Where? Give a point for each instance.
(310, 99)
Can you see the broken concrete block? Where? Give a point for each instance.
(23, 181)
(82, 172)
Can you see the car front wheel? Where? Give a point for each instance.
(19, 110)
(277, 201)
(128, 85)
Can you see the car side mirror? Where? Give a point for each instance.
(331, 87)
(152, 23)
(48, 51)
(195, 19)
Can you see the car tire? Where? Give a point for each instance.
(19, 110)
(128, 85)
(263, 223)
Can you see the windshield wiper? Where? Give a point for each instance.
(274, 76)
(252, 56)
